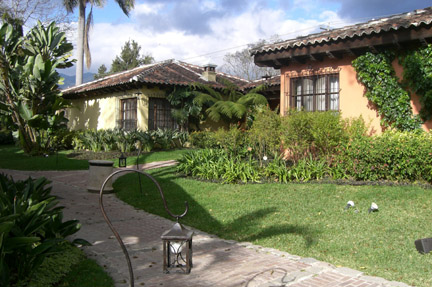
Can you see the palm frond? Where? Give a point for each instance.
(70, 5)
(206, 89)
(253, 99)
(258, 89)
(203, 98)
(126, 5)
(213, 114)
(238, 110)
(225, 108)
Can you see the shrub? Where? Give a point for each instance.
(401, 156)
(31, 228)
(315, 133)
(264, 135)
(127, 141)
(56, 266)
(202, 139)
(233, 140)
(218, 164)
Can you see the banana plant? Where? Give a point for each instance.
(29, 91)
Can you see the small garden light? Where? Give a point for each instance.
(122, 160)
(177, 249)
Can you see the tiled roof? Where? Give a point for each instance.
(171, 73)
(396, 22)
(272, 81)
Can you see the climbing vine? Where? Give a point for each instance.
(376, 72)
(417, 66)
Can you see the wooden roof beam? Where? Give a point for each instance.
(423, 42)
(373, 49)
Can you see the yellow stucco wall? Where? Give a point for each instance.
(352, 100)
(102, 112)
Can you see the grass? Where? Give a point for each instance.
(164, 155)
(304, 219)
(87, 273)
(13, 157)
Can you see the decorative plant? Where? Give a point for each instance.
(29, 92)
(393, 104)
(31, 228)
(228, 104)
(417, 66)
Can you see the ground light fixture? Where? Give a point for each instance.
(423, 245)
(122, 160)
(177, 249)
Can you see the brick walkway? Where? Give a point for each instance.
(217, 262)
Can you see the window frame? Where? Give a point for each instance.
(128, 114)
(309, 92)
(160, 116)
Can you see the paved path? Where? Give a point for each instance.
(217, 262)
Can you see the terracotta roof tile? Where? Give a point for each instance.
(171, 72)
(395, 22)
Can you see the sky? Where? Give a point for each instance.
(203, 31)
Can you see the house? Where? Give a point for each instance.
(317, 72)
(137, 98)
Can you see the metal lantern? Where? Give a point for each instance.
(122, 160)
(177, 249)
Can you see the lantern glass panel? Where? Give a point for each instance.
(122, 161)
(177, 249)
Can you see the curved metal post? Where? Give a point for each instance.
(123, 247)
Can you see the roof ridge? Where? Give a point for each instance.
(110, 76)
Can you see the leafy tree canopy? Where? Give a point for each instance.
(129, 58)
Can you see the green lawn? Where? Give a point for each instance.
(305, 219)
(12, 157)
(87, 273)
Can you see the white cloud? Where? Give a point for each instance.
(227, 33)
(147, 8)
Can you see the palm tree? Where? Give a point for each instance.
(228, 104)
(84, 28)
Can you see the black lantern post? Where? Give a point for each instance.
(177, 249)
(122, 160)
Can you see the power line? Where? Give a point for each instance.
(297, 32)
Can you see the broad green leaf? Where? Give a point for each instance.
(24, 111)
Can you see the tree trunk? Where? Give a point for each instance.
(80, 43)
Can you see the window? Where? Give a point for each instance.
(316, 93)
(128, 114)
(160, 114)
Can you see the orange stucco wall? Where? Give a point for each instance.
(352, 102)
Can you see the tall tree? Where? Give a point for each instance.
(84, 28)
(241, 64)
(29, 92)
(102, 72)
(129, 58)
